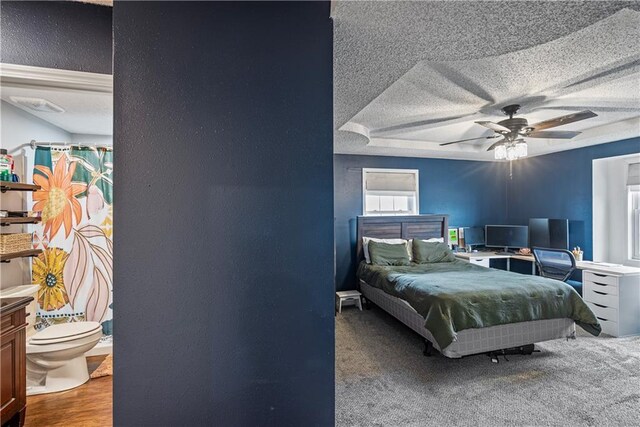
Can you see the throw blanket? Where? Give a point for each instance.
(453, 296)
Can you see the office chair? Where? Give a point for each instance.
(556, 264)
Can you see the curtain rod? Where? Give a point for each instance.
(33, 144)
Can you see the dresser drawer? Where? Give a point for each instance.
(609, 327)
(601, 287)
(600, 297)
(601, 278)
(484, 262)
(603, 312)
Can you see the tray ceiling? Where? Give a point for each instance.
(405, 102)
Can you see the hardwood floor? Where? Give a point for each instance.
(86, 406)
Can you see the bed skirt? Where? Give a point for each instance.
(473, 341)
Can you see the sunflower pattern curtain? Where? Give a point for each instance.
(75, 269)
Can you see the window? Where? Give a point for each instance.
(390, 191)
(633, 189)
(634, 214)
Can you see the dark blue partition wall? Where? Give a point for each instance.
(56, 34)
(224, 205)
(559, 185)
(472, 193)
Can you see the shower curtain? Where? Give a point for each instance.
(75, 269)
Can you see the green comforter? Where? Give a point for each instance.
(453, 296)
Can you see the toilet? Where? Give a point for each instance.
(55, 356)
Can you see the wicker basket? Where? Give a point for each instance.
(15, 242)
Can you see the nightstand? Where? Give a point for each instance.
(350, 297)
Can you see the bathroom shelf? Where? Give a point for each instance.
(20, 254)
(17, 186)
(20, 220)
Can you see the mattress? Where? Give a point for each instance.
(455, 296)
(472, 341)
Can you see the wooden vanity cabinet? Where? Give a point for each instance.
(13, 360)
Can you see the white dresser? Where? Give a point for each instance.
(614, 296)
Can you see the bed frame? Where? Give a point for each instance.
(468, 341)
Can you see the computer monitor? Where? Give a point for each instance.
(506, 236)
(539, 233)
(549, 233)
(473, 236)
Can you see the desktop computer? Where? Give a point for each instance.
(471, 237)
(506, 237)
(549, 233)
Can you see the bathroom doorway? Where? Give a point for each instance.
(57, 142)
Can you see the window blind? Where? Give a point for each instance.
(390, 181)
(633, 174)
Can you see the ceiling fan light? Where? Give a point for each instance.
(500, 152)
(512, 153)
(521, 149)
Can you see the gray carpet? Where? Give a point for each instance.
(383, 379)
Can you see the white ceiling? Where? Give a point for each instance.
(409, 76)
(86, 112)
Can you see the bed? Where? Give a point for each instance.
(376, 287)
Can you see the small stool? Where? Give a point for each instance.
(344, 296)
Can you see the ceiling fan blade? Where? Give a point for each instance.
(563, 120)
(495, 144)
(553, 134)
(495, 127)
(470, 139)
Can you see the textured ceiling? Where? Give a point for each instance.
(393, 87)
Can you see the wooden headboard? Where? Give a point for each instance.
(401, 227)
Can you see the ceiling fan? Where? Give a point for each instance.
(511, 131)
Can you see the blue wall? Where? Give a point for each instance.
(56, 34)
(556, 185)
(224, 205)
(472, 193)
(559, 185)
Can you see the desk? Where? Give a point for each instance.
(617, 270)
(483, 258)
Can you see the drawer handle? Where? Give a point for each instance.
(600, 318)
(599, 275)
(599, 305)
(600, 284)
(600, 293)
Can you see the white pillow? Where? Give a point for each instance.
(366, 240)
(432, 240)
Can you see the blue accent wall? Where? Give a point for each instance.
(56, 34)
(559, 185)
(224, 205)
(473, 193)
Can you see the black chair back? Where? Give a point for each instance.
(556, 264)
